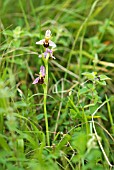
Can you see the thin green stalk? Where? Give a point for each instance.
(24, 14)
(85, 119)
(45, 101)
(110, 114)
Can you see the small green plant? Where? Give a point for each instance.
(85, 108)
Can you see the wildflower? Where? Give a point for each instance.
(47, 53)
(41, 76)
(47, 42)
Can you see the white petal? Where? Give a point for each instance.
(52, 44)
(41, 42)
(40, 56)
(48, 34)
(53, 57)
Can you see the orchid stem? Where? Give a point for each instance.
(45, 101)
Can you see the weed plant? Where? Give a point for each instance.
(61, 119)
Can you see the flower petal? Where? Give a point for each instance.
(53, 57)
(36, 80)
(49, 51)
(52, 44)
(45, 54)
(41, 42)
(42, 71)
(48, 34)
(40, 56)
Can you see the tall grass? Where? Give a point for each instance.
(80, 91)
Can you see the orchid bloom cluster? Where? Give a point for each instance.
(47, 43)
(48, 53)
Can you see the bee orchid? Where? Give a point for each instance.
(41, 76)
(47, 53)
(47, 42)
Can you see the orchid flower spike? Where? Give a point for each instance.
(47, 42)
(41, 76)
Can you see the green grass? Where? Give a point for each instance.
(80, 89)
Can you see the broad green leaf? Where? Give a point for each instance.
(63, 141)
(73, 113)
(40, 116)
(104, 77)
(83, 90)
(102, 83)
(20, 145)
(4, 144)
(90, 76)
(79, 141)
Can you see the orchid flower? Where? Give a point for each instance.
(41, 76)
(47, 53)
(47, 42)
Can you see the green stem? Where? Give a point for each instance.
(45, 101)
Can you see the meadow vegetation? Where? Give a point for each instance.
(80, 91)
